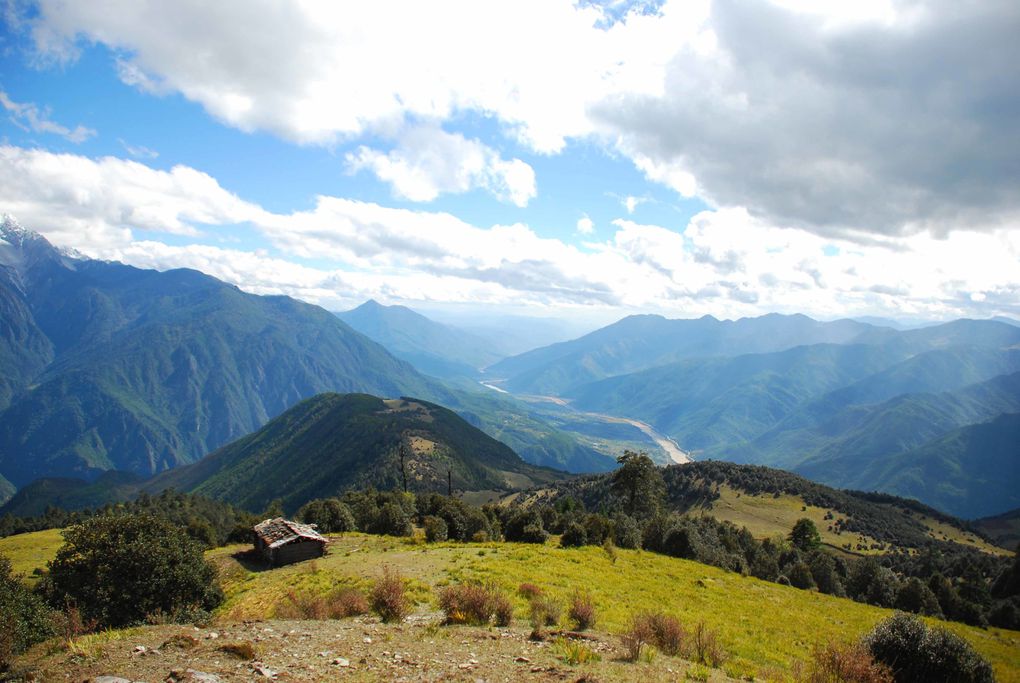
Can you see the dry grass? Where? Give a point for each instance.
(245, 650)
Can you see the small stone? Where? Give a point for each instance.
(342, 661)
(110, 679)
(367, 640)
(138, 650)
(212, 635)
(522, 660)
(264, 670)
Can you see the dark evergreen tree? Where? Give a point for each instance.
(638, 482)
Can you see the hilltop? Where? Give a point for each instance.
(336, 442)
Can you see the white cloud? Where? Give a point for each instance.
(28, 116)
(725, 262)
(428, 161)
(92, 204)
(138, 151)
(841, 118)
(631, 203)
(585, 225)
(896, 120)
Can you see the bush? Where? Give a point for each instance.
(525, 526)
(835, 663)
(24, 617)
(345, 602)
(435, 529)
(330, 516)
(348, 602)
(544, 611)
(475, 604)
(388, 599)
(392, 520)
(707, 649)
(637, 638)
(626, 532)
(668, 635)
(915, 652)
(529, 591)
(119, 569)
(582, 610)
(574, 536)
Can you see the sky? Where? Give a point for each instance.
(579, 160)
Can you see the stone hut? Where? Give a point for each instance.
(281, 541)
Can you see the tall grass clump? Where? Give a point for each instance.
(388, 599)
(475, 604)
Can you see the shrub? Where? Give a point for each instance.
(573, 536)
(835, 663)
(582, 610)
(24, 617)
(544, 611)
(525, 526)
(345, 602)
(800, 576)
(388, 599)
(474, 604)
(435, 529)
(707, 649)
(915, 652)
(626, 532)
(638, 637)
(119, 569)
(329, 515)
(503, 610)
(348, 602)
(392, 520)
(529, 590)
(668, 635)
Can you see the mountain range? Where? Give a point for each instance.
(321, 447)
(110, 367)
(431, 347)
(926, 412)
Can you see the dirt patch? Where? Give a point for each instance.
(419, 649)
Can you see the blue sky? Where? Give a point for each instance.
(581, 160)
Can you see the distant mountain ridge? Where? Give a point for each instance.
(845, 410)
(107, 366)
(431, 347)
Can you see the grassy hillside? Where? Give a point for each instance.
(1004, 529)
(766, 628)
(759, 640)
(28, 552)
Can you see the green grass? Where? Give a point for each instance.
(31, 551)
(763, 626)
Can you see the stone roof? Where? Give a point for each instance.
(279, 531)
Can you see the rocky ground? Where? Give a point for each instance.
(360, 649)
